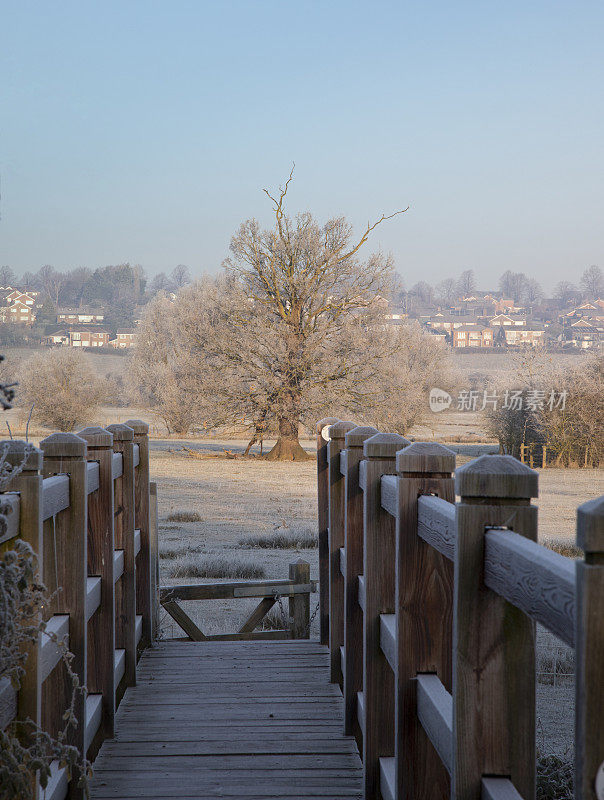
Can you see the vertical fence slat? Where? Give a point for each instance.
(337, 484)
(378, 569)
(101, 626)
(323, 524)
(353, 613)
(424, 618)
(141, 521)
(589, 676)
(154, 551)
(66, 453)
(125, 588)
(299, 604)
(494, 643)
(29, 485)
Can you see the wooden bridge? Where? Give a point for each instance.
(422, 685)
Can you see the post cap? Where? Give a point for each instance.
(139, 427)
(325, 423)
(496, 476)
(96, 437)
(340, 428)
(425, 457)
(64, 445)
(590, 526)
(357, 436)
(121, 433)
(384, 445)
(16, 450)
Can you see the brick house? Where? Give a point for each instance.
(126, 338)
(88, 336)
(18, 312)
(469, 336)
(73, 316)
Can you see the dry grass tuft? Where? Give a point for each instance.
(564, 547)
(170, 553)
(274, 621)
(184, 516)
(197, 566)
(554, 778)
(305, 540)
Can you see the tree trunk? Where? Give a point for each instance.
(287, 447)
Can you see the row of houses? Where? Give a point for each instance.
(92, 336)
(487, 321)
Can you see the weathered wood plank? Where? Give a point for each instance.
(92, 478)
(119, 665)
(55, 490)
(258, 614)
(118, 564)
(436, 524)
(343, 561)
(50, 655)
(93, 596)
(323, 524)
(499, 789)
(184, 620)
(435, 712)
(225, 591)
(534, 579)
(389, 497)
(388, 638)
(387, 778)
(361, 592)
(117, 465)
(94, 712)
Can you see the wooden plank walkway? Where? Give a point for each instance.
(230, 719)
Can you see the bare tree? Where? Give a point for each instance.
(592, 282)
(565, 292)
(446, 291)
(52, 282)
(62, 387)
(180, 276)
(532, 292)
(7, 276)
(512, 285)
(308, 279)
(466, 284)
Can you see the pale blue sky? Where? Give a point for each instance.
(144, 131)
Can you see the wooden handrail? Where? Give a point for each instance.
(72, 508)
(481, 556)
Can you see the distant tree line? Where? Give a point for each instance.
(516, 286)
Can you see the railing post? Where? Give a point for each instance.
(589, 644)
(337, 432)
(145, 595)
(323, 527)
(378, 571)
(101, 626)
(125, 588)
(154, 551)
(424, 618)
(65, 453)
(353, 613)
(29, 486)
(299, 604)
(494, 642)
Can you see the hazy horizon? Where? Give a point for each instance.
(145, 132)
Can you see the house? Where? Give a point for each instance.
(126, 338)
(73, 316)
(87, 336)
(531, 335)
(57, 338)
(508, 320)
(585, 336)
(447, 322)
(468, 336)
(18, 313)
(17, 296)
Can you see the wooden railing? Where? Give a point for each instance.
(297, 590)
(83, 504)
(431, 616)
